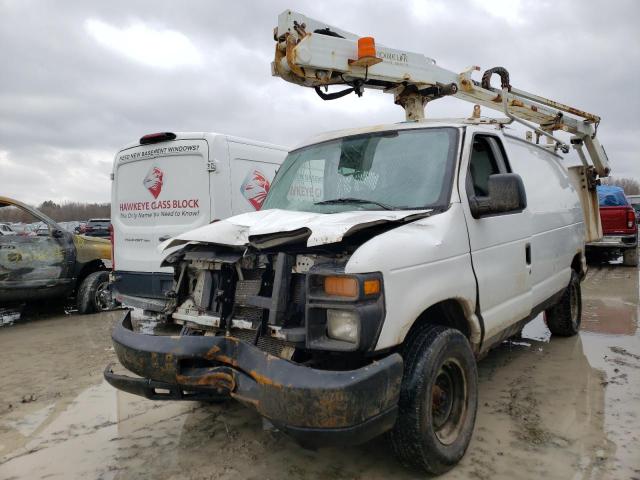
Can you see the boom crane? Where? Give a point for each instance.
(314, 54)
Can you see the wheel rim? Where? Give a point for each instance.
(448, 401)
(102, 300)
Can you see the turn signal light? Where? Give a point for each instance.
(366, 47)
(372, 287)
(341, 286)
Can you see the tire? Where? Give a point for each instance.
(630, 257)
(88, 299)
(563, 319)
(432, 434)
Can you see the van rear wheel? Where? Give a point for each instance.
(438, 400)
(563, 319)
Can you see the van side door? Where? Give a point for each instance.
(500, 243)
(557, 219)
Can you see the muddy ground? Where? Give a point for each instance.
(549, 408)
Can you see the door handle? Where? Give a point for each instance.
(527, 254)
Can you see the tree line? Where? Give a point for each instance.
(60, 212)
(629, 185)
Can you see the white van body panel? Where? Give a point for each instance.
(163, 189)
(498, 249)
(432, 265)
(142, 214)
(557, 227)
(235, 160)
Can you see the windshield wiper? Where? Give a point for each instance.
(353, 200)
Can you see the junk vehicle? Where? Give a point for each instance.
(169, 183)
(97, 227)
(634, 201)
(53, 264)
(385, 260)
(5, 229)
(619, 227)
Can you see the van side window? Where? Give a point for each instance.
(487, 158)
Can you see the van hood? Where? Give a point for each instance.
(270, 228)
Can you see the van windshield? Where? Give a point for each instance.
(392, 170)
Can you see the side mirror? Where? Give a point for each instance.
(506, 194)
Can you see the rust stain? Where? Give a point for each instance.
(212, 352)
(225, 359)
(263, 380)
(580, 113)
(215, 379)
(290, 54)
(332, 411)
(242, 398)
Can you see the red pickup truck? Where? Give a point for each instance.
(619, 227)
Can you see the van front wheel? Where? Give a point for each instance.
(438, 400)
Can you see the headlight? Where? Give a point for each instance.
(343, 325)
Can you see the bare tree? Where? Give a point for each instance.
(629, 185)
(68, 211)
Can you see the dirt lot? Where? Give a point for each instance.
(549, 408)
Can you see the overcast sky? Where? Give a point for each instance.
(80, 79)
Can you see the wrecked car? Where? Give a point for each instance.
(53, 264)
(384, 262)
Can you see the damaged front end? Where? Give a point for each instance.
(285, 331)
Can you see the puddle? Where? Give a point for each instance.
(611, 300)
(89, 438)
(27, 425)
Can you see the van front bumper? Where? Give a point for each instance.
(316, 407)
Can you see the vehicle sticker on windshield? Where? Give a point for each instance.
(307, 185)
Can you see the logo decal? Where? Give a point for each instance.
(255, 188)
(153, 181)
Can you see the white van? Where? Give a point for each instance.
(384, 263)
(169, 183)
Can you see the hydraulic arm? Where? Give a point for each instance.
(314, 54)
